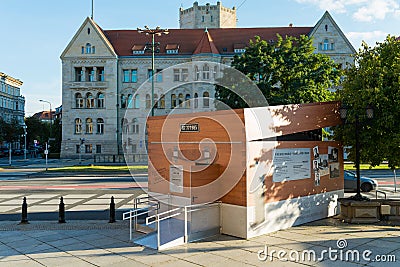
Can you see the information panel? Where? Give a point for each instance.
(291, 164)
(176, 178)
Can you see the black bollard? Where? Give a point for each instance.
(24, 217)
(61, 211)
(112, 211)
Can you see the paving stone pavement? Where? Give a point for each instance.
(98, 243)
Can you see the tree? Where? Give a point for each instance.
(286, 71)
(36, 130)
(10, 131)
(374, 80)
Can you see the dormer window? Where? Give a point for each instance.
(138, 49)
(172, 48)
(239, 48)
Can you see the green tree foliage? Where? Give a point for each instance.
(10, 131)
(374, 80)
(36, 130)
(286, 71)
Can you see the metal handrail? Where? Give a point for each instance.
(379, 191)
(202, 206)
(157, 216)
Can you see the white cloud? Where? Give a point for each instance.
(363, 10)
(356, 38)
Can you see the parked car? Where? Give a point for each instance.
(366, 184)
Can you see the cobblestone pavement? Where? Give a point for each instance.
(98, 243)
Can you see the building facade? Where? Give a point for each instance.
(12, 103)
(207, 16)
(105, 78)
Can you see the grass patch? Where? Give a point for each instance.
(99, 168)
(351, 166)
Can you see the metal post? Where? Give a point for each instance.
(152, 75)
(24, 141)
(186, 226)
(9, 153)
(46, 152)
(395, 182)
(358, 195)
(112, 211)
(61, 211)
(158, 232)
(24, 216)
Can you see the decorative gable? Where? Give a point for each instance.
(89, 41)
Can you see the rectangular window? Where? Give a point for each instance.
(126, 76)
(159, 77)
(98, 149)
(185, 75)
(134, 76)
(78, 74)
(134, 148)
(177, 75)
(100, 74)
(88, 148)
(78, 149)
(91, 75)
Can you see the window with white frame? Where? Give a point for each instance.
(78, 100)
(148, 101)
(206, 100)
(78, 126)
(100, 100)
(206, 72)
(89, 126)
(89, 100)
(100, 126)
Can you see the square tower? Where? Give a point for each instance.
(207, 16)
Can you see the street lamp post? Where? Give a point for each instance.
(24, 127)
(152, 47)
(343, 115)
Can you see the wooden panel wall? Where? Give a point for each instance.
(223, 128)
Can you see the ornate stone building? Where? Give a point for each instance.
(12, 103)
(103, 72)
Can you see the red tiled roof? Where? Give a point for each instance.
(206, 45)
(223, 39)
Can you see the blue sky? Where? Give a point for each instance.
(34, 33)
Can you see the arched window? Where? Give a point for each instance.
(78, 100)
(196, 100)
(155, 101)
(130, 101)
(136, 101)
(187, 101)
(100, 100)
(326, 44)
(206, 100)
(196, 73)
(88, 48)
(78, 126)
(180, 100)
(89, 126)
(162, 102)
(100, 126)
(89, 100)
(123, 101)
(148, 101)
(173, 101)
(206, 72)
(135, 126)
(124, 126)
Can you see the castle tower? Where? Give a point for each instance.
(207, 16)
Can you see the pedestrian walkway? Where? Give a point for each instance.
(327, 242)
